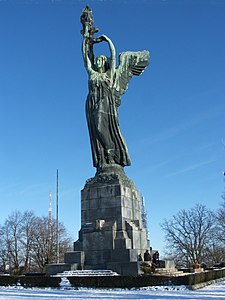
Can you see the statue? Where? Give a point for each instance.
(107, 83)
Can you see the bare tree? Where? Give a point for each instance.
(27, 231)
(12, 235)
(220, 233)
(189, 234)
(27, 245)
(16, 237)
(40, 240)
(221, 223)
(3, 252)
(44, 243)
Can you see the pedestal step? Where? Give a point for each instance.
(87, 273)
(168, 271)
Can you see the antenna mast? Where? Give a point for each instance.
(50, 216)
(50, 229)
(57, 217)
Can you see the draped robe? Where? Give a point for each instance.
(107, 143)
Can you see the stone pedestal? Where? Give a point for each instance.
(53, 269)
(112, 231)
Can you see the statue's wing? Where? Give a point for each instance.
(130, 63)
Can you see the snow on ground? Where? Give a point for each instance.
(215, 291)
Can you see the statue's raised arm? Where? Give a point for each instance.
(88, 54)
(106, 86)
(112, 60)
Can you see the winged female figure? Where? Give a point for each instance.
(107, 83)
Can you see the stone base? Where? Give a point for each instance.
(74, 256)
(53, 269)
(125, 268)
(112, 229)
(168, 264)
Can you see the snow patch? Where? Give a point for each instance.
(214, 291)
(65, 283)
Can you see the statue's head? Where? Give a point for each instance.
(101, 63)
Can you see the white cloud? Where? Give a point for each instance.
(190, 168)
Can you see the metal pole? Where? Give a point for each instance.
(57, 216)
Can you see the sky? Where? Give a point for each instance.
(172, 116)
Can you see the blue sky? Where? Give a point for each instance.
(172, 116)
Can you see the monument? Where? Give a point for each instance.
(112, 231)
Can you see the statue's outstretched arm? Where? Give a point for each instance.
(112, 52)
(85, 51)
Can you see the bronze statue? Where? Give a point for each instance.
(107, 83)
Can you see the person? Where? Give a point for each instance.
(105, 87)
(147, 256)
(140, 258)
(155, 258)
